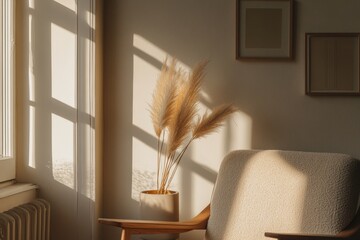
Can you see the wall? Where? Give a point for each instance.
(58, 104)
(274, 112)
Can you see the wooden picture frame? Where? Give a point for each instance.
(264, 29)
(332, 64)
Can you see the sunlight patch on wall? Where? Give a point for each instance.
(149, 48)
(70, 4)
(32, 146)
(31, 5)
(144, 168)
(63, 151)
(31, 63)
(145, 76)
(154, 51)
(63, 65)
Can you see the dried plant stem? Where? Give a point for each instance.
(159, 153)
(166, 172)
(158, 163)
(163, 172)
(177, 162)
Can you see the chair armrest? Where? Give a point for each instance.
(351, 232)
(146, 226)
(284, 236)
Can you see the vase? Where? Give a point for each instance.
(160, 207)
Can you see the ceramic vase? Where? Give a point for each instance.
(160, 207)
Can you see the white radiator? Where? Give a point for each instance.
(29, 221)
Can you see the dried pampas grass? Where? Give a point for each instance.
(173, 110)
(162, 107)
(211, 122)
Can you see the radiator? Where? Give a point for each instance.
(29, 221)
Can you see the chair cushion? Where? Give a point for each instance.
(283, 191)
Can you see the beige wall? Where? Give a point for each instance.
(58, 142)
(274, 112)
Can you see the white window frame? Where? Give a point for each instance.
(7, 119)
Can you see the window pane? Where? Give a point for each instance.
(7, 163)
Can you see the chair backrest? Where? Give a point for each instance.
(283, 191)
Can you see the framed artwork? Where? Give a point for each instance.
(264, 29)
(332, 63)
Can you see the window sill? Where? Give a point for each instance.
(14, 194)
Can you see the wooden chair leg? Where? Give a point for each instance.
(125, 235)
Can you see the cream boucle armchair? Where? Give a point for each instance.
(278, 194)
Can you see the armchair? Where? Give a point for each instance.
(278, 194)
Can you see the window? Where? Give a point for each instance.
(7, 161)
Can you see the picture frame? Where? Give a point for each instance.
(264, 29)
(332, 63)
